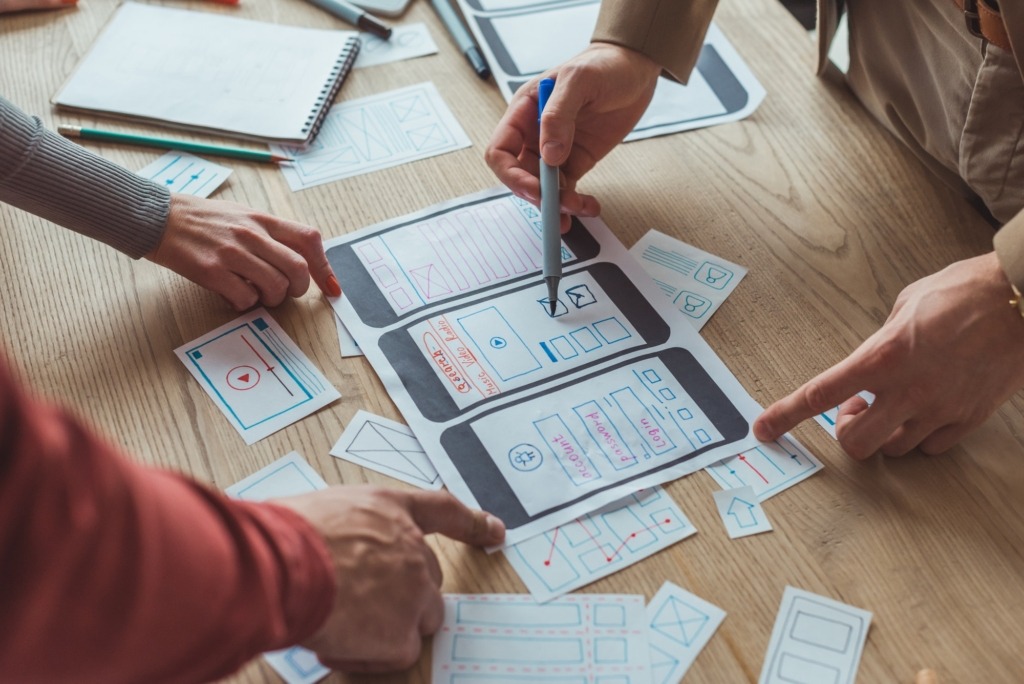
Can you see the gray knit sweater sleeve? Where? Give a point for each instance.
(56, 179)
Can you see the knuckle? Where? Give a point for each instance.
(887, 354)
(814, 396)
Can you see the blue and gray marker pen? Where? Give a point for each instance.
(549, 209)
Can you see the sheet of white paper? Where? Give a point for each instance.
(388, 447)
(741, 512)
(258, 377)
(815, 639)
(696, 281)
(505, 638)
(347, 343)
(538, 419)
(374, 133)
(407, 42)
(287, 476)
(680, 626)
(827, 419)
(522, 38)
(768, 468)
(599, 543)
(186, 174)
(207, 70)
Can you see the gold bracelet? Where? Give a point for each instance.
(1018, 300)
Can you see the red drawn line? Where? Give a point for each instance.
(551, 553)
(269, 367)
(633, 536)
(744, 459)
(617, 551)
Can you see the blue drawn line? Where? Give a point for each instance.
(771, 460)
(402, 269)
(670, 290)
(520, 615)
(313, 486)
(516, 650)
(551, 355)
(682, 431)
(670, 260)
(655, 409)
(643, 412)
(299, 365)
(175, 177)
(827, 419)
(644, 385)
(169, 165)
(207, 182)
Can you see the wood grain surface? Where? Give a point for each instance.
(831, 217)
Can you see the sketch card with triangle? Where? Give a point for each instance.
(388, 447)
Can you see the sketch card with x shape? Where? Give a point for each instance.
(388, 447)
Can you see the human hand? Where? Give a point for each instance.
(599, 96)
(21, 5)
(388, 580)
(244, 255)
(950, 353)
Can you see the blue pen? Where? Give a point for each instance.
(549, 209)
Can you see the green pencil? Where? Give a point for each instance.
(185, 146)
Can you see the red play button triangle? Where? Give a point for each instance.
(244, 378)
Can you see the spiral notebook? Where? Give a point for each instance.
(212, 73)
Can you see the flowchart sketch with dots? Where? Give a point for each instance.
(374, 133)
(599, 544)
(680, 625)
(578, 639)
(186, 174)
(388, 447)
(258, 377)
(768, 468)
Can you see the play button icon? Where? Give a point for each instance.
(243, 378)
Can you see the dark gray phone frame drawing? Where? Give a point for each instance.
(493, 493)
(431, 396)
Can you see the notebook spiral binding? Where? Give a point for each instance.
(330, 90)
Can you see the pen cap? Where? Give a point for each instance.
(544, 89)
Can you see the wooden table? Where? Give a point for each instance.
(829, 214)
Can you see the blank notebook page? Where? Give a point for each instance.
(203, 70)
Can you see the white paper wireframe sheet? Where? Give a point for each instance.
(815, 639)
(186, 174)
(287, 476)
(388, 447)
(256, 375)
(374, 133)
(696, 282)
(538, 418)
(523, 38)
(599, 544)
(509, 637)
(407, 41)
(768, 468)
(681, 624)
(741, 512)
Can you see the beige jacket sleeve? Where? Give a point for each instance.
(670, 32)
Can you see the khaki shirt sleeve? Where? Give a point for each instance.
(1009, 244)
(670, 32)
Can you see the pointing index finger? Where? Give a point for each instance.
(442, 513)
(827, 390)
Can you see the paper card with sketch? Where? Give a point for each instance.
(256, 375)
(538, 417)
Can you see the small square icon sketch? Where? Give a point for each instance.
(693, 305)
(580, 296)
(560, 308)
(713, 275)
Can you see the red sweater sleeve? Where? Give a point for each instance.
(112, 572)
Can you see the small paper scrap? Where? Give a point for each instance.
(599, 544)
(258, 377)
(347, 343)
(815, 639)
(769, 468)
(407, 41)
(287, 476)
(509, 637)
(186, 174)
(388, 447)
(681, 625)
(827, 419)
(741, 512)
(696, 281)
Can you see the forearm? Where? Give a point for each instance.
(670, 32)
(42, 173)
(112, 572)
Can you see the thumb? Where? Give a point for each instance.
(558, 122)
(442, 513)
